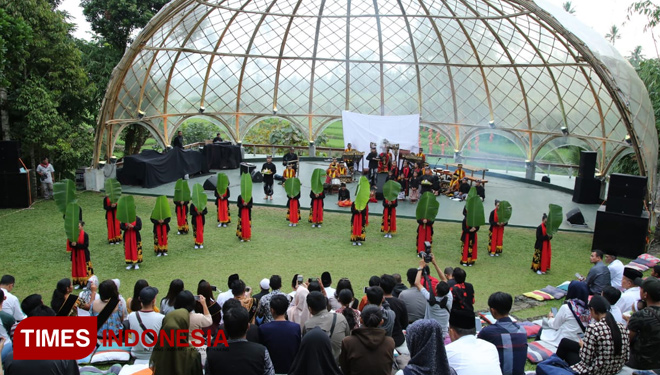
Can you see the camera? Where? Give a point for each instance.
(426, 256)
(196, 298)
(214, 288)
(300, 279)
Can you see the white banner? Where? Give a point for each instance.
(360, 130)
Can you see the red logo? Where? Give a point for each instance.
(55, 338)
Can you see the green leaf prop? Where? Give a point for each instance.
(71, 218)
(113, 189)
(126, 209)
(64, 192)
(475, 209)
(161, 209)
(199, 197)
(427, 207)
(391, 190)
(181, 191)
(362, 193)
(504, 212)
(555, 218)
(292, 187)
(317, 180)
(246, 187)
(222, 183)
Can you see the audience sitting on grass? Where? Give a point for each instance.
(368, 350)
(373, 281)
(631, 281)
(167, 303)
(264, 284)
(298, 311)
(428, 354)
(644, 327)
(174, 359)
(228, 294)
(387, 283)
(572, 317)
(144, 319)
(205, 289)
(280, 337)
(612, 295)
(186, 300)
(616, 268)
(133, 303)
(413, 298)
(375, 296)
(334, 325)
(599, 275)
(263, 310)
(60, 299)
(253, 330)
(399, 287)
(352, 315)
(241, 293)
(462, 292)
(108, 294)
(345, 283)
(87, 295)
(10, 305)
(468, 354)
(326, 280)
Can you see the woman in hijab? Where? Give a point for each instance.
(427, 350)
(314, 356)
(166, 359)
(572, 318)
(368, 350)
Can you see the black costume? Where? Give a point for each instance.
(268, 178)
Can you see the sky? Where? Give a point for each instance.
(600, 15)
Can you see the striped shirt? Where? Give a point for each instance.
(510, 339)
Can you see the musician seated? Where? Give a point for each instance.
(463, 190)
(217, 139)
(344, 196)
(289, 172)
(349, 148)
(421, 155)
(456, 178)
(341, 170)
(333, 164)
(349, 162)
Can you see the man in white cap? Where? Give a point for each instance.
(264, 284)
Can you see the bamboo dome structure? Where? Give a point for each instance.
(522, 69)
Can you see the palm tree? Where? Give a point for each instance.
(568, 7)
(636, 57)
(613, 35)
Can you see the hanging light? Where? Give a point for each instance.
(564, 130)
(140, 114)
(201, 109)
(491, 124)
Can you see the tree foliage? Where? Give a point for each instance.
(196, 130)
(613, 35)
(15, 35)
(568, 6)
(277, 131)
(651, 11)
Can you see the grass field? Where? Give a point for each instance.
(33, 250)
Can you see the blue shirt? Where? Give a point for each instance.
(510, 339)
(282, 339)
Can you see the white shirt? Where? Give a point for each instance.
(11, 306)
(616, 273)
(628, 299)
(332, 300)
(618, 316)
(47, 171)
(563, 325)
(151, 320)
(472, 356)
(223, 297)
(441, 315)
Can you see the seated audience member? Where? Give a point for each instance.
(133, 303)
(145, 319)
(655, 271)
(186, 300)
(376, 297)
(612, 295)
(352, 315)
(298, 311)
(599, 275)
(449, 274)
(605, 347)
(280, 337)
(315, 355)
(107, 292)
(241, 356)
(387, 283)
(373, 281)
(253, 329)
(167, 303)
(463, 189)
(169, 359)
(263, 310)
(631, 281)
(33, 305)
(427, 350)
(241, 293)
(413, 298)
(343, 196)
(439, 305)
(87, 295)
(572, 318)
(11, 305)
(264, 284)
(228, 294)
(61, 294)
(509, 338)
(399, 287)
(345, 283)
(6, 322)
(644, 326)
(616, 268)
(368, 350)
(467, 354)
(334, 325)
(326, 279)
(462, 292)
(205, 289)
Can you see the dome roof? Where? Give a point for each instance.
(528, 67)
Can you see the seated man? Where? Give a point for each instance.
(599, 275)
(335, 325)
(413, 298)
(341, 169)
(644, 327)
(509, 338)
(612, 295)
(333, 163)
(616, 269)
(375, 296)
(281, 337)
(241, 356)
(631, 281)
(466, 353)
(456, 178)
(344, 196)
(143, 320)
(463, 190)
(217, 138)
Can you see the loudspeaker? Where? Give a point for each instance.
(257, 176)
(587, 164)
(15, 190)
(545, 179)
(381, 178)
(247, 168)
(575, 217)
(587, 190)
(626, 194)
(211, 183)
(9, 153)
(625, 234)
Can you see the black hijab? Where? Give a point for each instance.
(315, 355)
(427, 349)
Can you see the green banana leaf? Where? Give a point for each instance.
(199, 197)
(64, 192)
(504, 212)
(475, 209)
(71, 219)
(427, 207)
(246, 187)
(391, 190)
(161, 209)
(317, 180)
(222, 183)
(126, 209)
(555, 218)
(181, 191)
(113, 189)
(362, 194)
(292, 187)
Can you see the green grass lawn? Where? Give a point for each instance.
(33, 250)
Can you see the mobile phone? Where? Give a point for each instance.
(365, 289)
(300, 279)
(196, 298)
(580, 277)
(581, 335)
(554, 311)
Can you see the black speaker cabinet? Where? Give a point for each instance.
(210, 183)
(257, 176)
(625, 234)
(15, 190)
(587, 163)
(626, 194)
(9, 154)
(247, 168)
(381, 178)
(575, 217)
(587, 190)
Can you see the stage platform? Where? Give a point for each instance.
(529, 200)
